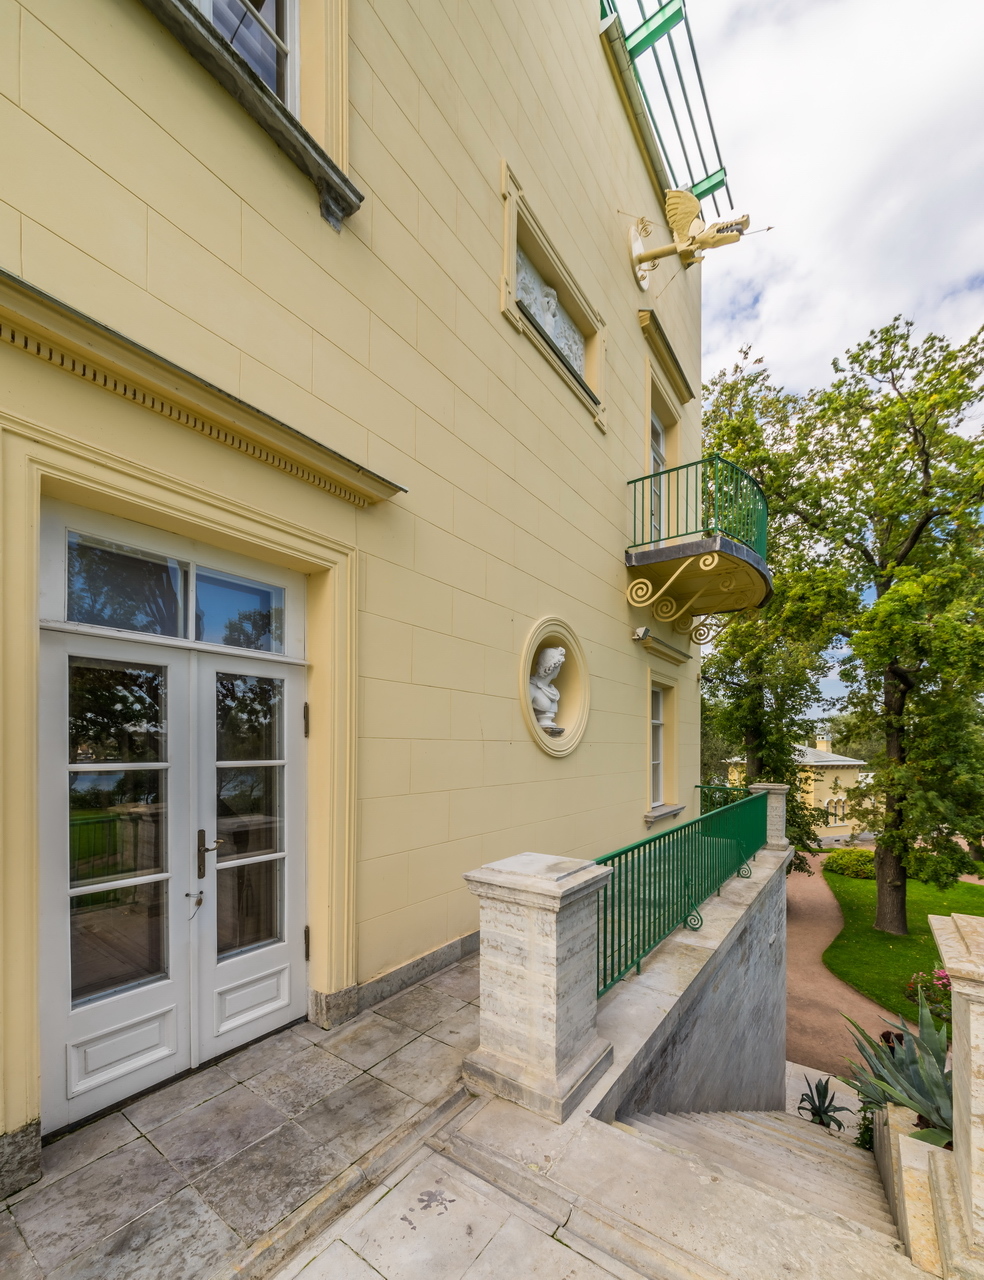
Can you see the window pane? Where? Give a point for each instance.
(118, 938)
(114, 586)
(248, 716)
(115, 711)
(250, 40)
(116, 825)
(239, 612)
(248, 811)
(248, 905)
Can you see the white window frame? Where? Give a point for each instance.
(289, 45)
(59, 518)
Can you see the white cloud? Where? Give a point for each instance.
(856, 127)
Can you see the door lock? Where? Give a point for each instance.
(204, 848)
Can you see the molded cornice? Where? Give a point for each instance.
(41, 326)
(666, 357)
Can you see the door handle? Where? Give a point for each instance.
(204, 848)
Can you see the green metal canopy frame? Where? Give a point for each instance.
(660, 47)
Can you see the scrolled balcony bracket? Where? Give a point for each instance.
(706, 630)
(640, 592)
(666, 610)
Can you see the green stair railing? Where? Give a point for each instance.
(708, 497)
(661, 882)
(716, 797)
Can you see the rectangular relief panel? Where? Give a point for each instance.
(128, 1047)
(252, 998)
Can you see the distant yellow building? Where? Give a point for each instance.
(331, 399)
(824, 779)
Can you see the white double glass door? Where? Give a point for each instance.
(172, 860)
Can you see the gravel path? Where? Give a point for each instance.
(816, 1034)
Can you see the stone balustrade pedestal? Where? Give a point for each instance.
(775, 825)
(539, 928)
(961, 942)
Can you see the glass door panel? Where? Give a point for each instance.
(252, 814)
(117, 824)
(114, 826)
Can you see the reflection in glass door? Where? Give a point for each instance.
(249, 798)
(117, 838)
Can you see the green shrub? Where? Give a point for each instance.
(859, 864)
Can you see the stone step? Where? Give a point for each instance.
(810, 1142)
(824, 1159)
(821, 1153)
(803, 1131)
(880, 1233)
(850, 1192)
(777, 1168)
(721, 1219)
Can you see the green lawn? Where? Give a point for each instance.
(878, 964)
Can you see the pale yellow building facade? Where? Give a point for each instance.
(827, 777)
(272, 364)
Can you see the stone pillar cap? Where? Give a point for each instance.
(768, 786)
(960, 940)
(539, 874)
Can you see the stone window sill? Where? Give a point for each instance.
(338, 197)
(662, 811)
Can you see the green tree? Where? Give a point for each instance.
(761, 680)
(854, 734)
(879, 479)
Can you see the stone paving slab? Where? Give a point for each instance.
(193, 1179)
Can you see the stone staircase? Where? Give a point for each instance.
(787, 1158)
(716, 1196)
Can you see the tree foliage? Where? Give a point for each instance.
(875, 485)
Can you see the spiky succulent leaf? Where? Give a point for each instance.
(938, 1137)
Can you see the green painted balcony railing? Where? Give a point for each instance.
(714, 797)
(661, 882)
(704, 498)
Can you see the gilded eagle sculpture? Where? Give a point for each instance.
(691, 235)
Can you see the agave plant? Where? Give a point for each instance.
(819, 1101)
(912, 1075)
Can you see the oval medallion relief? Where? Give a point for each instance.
(554, 687)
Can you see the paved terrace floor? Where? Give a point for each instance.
(190, 1180)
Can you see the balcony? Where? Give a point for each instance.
(698, 543)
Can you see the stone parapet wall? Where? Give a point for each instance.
(721, 1045)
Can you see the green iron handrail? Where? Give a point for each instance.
(716, 797)
(706, 497)
(661, 882)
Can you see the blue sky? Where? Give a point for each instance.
(856, 127)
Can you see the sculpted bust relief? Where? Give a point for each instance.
(543, 696)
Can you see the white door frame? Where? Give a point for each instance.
(159, 1020)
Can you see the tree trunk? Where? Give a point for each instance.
(890, 915)
(753, 756)
(755, 726)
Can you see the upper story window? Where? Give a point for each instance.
(541, 298)
(542, 305)
(657, 443)
(261, 32)
(251, 47)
